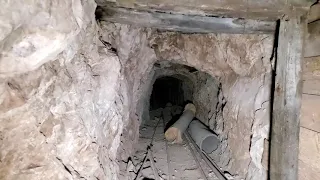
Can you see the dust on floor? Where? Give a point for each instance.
(174, 160)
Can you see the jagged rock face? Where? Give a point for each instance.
(242, 65)
(35, 32)
(63, 119)
(242, 62)
(71, 105)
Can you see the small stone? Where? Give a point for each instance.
(163, 176)
(228, 176)
(131, 167)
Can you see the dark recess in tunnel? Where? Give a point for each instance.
(166, 90)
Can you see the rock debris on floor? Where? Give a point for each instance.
(175, 160)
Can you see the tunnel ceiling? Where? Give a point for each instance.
(174, 66)
(173, 83)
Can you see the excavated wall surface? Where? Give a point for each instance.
(73, 93)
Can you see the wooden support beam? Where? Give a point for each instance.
(247, 9)
(184, 23)
(287, 101)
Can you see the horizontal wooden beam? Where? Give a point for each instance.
(247, 9)
(184, 23)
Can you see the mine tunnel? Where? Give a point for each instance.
(175, 88)
(166, 90)
(96, 89)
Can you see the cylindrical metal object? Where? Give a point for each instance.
(214, 167)
(204, 138)
(174, 133)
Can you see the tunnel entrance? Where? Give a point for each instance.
(238, 65)
(166, 90)
(172, 88)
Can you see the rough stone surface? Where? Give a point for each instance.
(242, 65)
(35, 32)
(206, 99)
(71, 105)
(63, 119)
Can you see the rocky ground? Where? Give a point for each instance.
(175, 160)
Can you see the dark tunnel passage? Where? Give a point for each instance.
(167, 90)
(177, 97)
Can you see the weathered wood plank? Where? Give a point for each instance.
(311, 75)
(287, 102)
(312, 47)
(310, 114)
(309, 158)
(314, 13)
(311, 87)
(248, 9)
(185, 23)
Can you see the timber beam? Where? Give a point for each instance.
(246, 9)
(184, 23)
(285, 123)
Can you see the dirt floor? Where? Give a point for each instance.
(175, 160)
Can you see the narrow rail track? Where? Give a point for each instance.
(170, 161)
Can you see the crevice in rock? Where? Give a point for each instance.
(71, 170)
(65, 167)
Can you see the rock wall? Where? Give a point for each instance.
(206, 99)
(63, 100)
(240, 62)
(243, 64)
